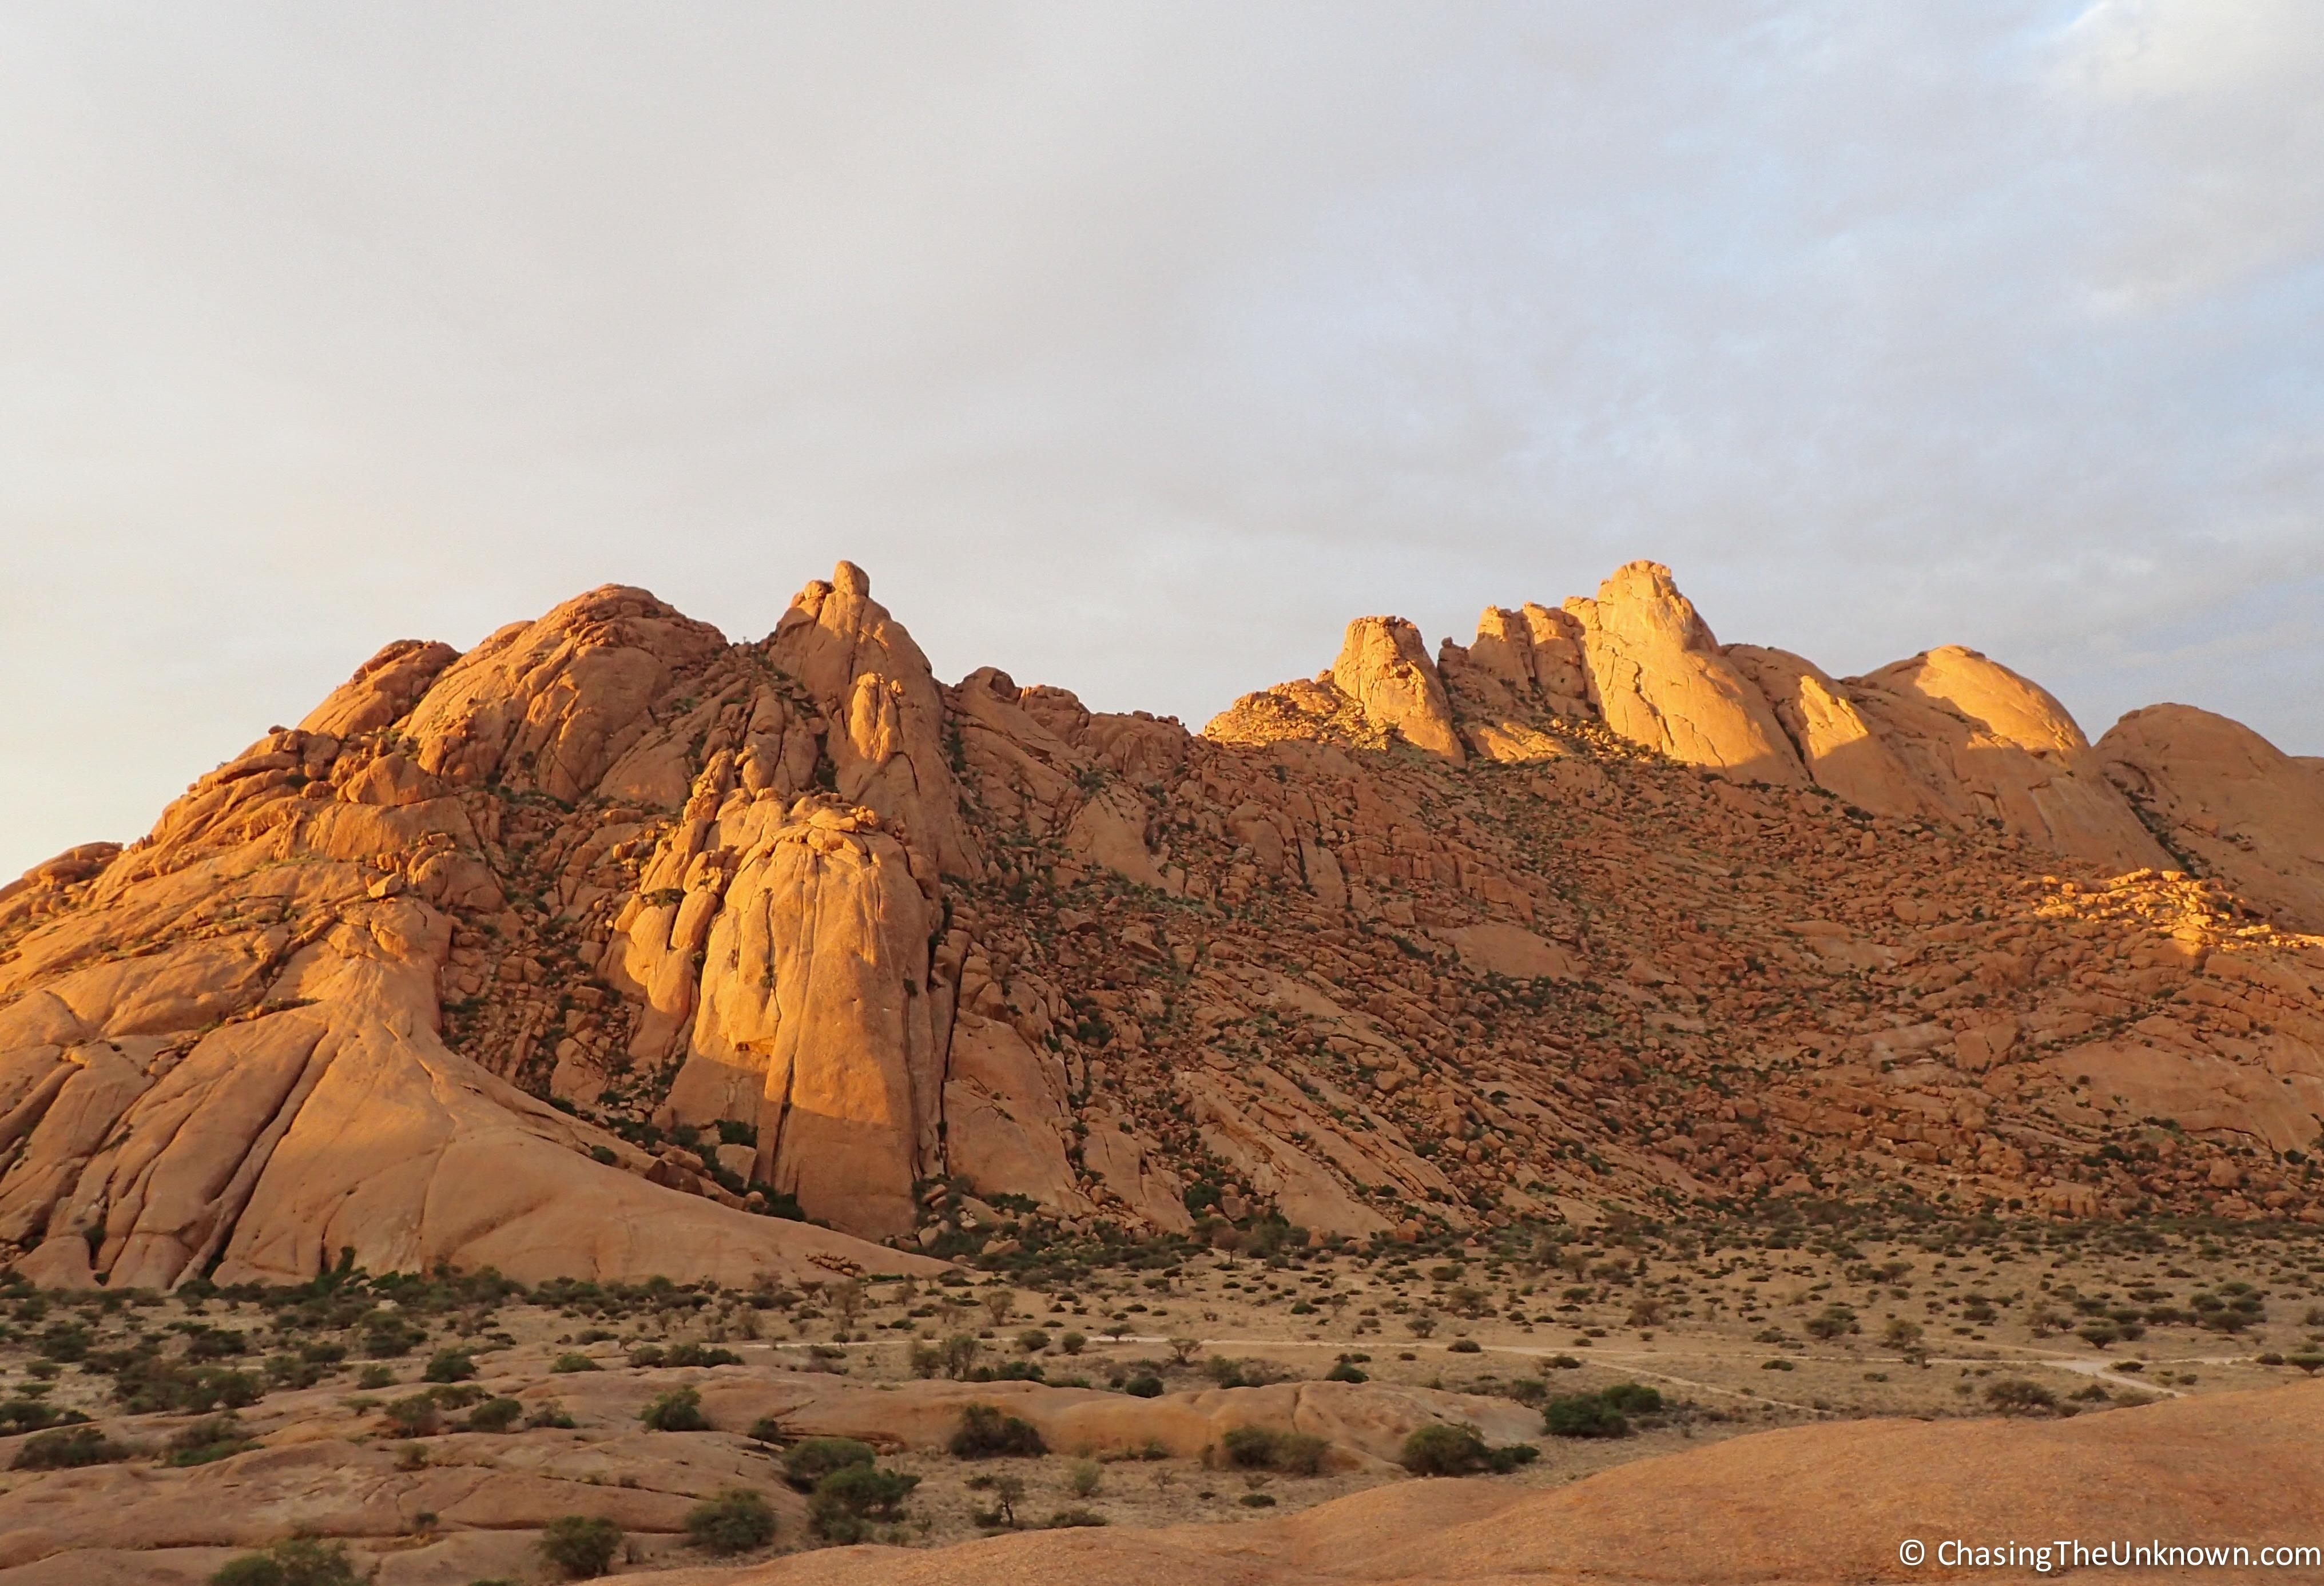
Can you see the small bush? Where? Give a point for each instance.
(581, 1546)
(1083, 1477)
(1583, 1415)
(495, 1415)
(67, 1450)
(2015, 1395)
(767, 1429)
(985, 1433)
(374, 1376)
(211, 1439)
(1343, 1372)
(1073, 1343)
(854, 1494)
(1066, 1519)
(678, 1410)
(736, 1521)
(1442, 1451)
(1032, 1341)
(549, 1412)
(295, 1561)
(1633, 1398)
(809, 1462)
(1464, 1346)
(574, 1362)
(1147, 1386)
(1251, 1447)
(696, 1354)
(27, 1415)
(416, 1415)
(449, 1366)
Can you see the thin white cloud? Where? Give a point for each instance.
(1136, 348)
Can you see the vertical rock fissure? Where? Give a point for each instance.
(226, 1211)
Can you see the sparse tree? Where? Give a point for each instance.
(999, 1304)
(960, 1351)
(846, 1299)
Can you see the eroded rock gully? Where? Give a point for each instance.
(574, 953)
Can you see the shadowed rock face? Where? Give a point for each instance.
(572, 952)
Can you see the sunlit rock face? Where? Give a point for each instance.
(588, 951)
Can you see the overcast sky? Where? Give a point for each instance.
(1135, 348)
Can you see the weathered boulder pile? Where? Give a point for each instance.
(585, 951)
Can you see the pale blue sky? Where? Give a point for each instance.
(1135, 348)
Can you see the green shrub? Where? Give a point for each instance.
(1442, 1451)
(1464, 1346)
(295, 1561)
(495, 1415)
(67, 1450)
(1066, 1519)
(767, 1429)
(549, 1412)
(1344, 1372)
(416, 1415)
(1073, 1343)
(448, 1366)
(809, 1462)
(206, 1441)
(581, 1546)
(1251, 1447)
(2015, 1395)
(696, 1354)
(1147, 1386)
(853, 1495)
(1299, 1453)
(387, 1337)
(1633, 1398)
(1583, 1415)
(574, 1362)
(678, 1410)
(736, 1521)
(985, 1433)
(30, 1415)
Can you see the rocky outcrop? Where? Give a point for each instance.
(1659, 679)
(549, 706)
(818, 1024)
(871, 679)
(1384, 666)
(1840, 749)
(1990, 745)
(583, 951)
(2236, 806)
